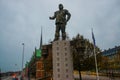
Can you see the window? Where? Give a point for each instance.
(58, 70)
(65, 43)
(65, 54)
(57, 53)
(66, 76)
(66, 70)
(66, 59)
(58, 59)
(58, 75)
(66, 65)
(58, 64)
(65, 49)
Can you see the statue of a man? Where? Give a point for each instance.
(62, 16)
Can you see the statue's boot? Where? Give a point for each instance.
(56, 38)
(63, 36)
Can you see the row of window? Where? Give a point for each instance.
(58, 64)
(59, 70)
(64, 48)
(58, 54)
(66, 76)
(64, 43)
(59, 59)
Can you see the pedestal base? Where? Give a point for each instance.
(62, 60)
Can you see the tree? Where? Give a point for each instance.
(83, 58)
(104, 64)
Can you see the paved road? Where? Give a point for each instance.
(9, 78)
(93, 77)
(76, 76)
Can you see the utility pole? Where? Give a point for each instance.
(0, 74)
(23, 55)
(22, 61)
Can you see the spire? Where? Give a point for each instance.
(41, 40)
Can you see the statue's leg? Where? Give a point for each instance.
(63, 26)
(57, 32)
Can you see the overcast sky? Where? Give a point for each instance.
(21, 21)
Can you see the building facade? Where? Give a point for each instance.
(112, 58)
(41, 67)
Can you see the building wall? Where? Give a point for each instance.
(47, 59)
(113, 56)
(40, 68)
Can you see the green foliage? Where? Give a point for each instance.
(83, 58)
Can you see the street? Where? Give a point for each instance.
(76, 76)
(93, 77)
(7, 78)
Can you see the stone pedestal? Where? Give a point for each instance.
(62, 60)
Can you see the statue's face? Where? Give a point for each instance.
(60, 6)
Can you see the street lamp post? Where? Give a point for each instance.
(23, 55)
(0, 75)
(16, 67)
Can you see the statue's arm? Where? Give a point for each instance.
(53, 17)
(68, 15)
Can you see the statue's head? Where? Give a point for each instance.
(60, 6)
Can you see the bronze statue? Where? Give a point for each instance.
(62, 16)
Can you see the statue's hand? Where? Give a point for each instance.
(50, 17)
